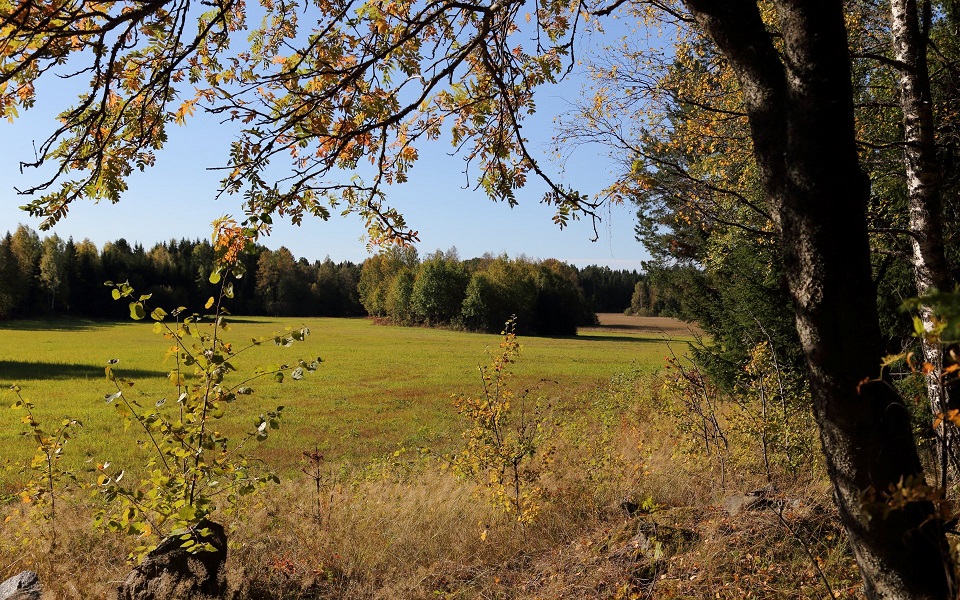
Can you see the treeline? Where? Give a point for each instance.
(53, 276)
(478, 294)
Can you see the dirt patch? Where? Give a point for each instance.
(646, 325)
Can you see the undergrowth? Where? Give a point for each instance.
(403, 527)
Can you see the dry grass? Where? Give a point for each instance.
(403, 527)
(656, 326)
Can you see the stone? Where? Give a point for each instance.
(23, 586)
(171, 573)
(756, 500)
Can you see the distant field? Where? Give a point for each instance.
(379, 386)
(658, 326)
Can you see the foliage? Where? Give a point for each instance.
(765, 423)
(283, 286)
(378, 273)
(194, 469)
(774, 410)
(478, 294)
(498, 289)
(606, 289)
(944, 371)
(53, 267)
(321, 84)
(504, 438)
(693, 402)
(439, 289)
(48, 474)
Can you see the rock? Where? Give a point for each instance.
(23, 586)
(734, 505)
(655, 542)
(169, 572)
(761, 499)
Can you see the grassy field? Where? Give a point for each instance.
(379, 387)
(383, 527)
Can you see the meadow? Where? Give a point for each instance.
(379, 387)
(385, 514)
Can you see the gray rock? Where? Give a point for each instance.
(761, 499)
(23, 586)
(171, 573)
(734, 505)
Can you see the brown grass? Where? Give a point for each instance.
(657, 326)
(404, 527)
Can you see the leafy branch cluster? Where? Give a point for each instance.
(324, 85)
(504, 437)
(48, 476)
(194, 469)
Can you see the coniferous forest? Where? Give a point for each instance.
(50, 276)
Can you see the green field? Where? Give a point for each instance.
(379, 387)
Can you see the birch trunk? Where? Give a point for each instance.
(924, 202)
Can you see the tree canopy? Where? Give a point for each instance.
(344, 91)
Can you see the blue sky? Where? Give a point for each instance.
(176, 198)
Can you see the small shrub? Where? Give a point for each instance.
(503, 438)
(194, 469)
(47, 475)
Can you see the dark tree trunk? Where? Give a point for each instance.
(800, 106)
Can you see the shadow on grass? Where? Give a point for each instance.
(55, 324)
(250, 320)
(67, 324)
(13, 371)
(646, 337)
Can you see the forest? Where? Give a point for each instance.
(44, 277)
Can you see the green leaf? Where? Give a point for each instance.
(136, 311)
(158, 314)
(115, 293)
(215, 277)
(918, 326)
(228, 290)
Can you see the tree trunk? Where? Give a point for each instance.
(800, 107)
(923, 200)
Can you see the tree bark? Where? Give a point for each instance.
(800, 107)
(930, 270)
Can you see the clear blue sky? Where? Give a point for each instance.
(175, 199)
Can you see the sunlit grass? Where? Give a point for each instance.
(378, 388)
